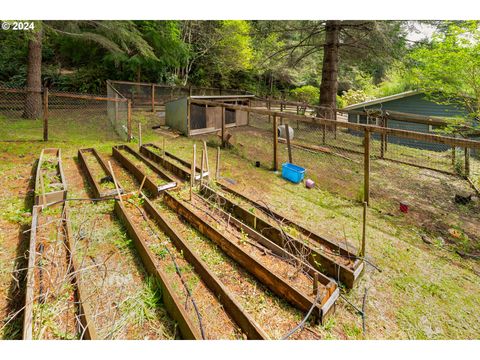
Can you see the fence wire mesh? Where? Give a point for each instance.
(146, 95)
(70, 116)
(117, 111)
(13, 108)
(425, 174)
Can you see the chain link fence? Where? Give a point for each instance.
(147, 96)
(27, 115)
(13, 108)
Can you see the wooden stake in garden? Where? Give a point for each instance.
(141, 185)
(192, 171)
(364, 229)
(140, 134)
(207, 167)
(201, 168)
(115, 182)
(163, 151)
(217, 167)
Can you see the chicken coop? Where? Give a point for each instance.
(189, 118)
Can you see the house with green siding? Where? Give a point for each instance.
(410, 110)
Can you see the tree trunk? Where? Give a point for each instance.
(329, 85)
(33, 100)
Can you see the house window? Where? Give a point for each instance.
(373, 121)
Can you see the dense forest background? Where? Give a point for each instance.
(349, 60)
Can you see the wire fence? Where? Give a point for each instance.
(396, 171)
(148, 96)
(13, 106)
(27, 115)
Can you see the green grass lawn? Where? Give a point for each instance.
(425, 291)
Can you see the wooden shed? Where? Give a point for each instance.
(410, 110)
(194, 119)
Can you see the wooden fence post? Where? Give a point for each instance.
(275, 144)
(324, 133)
(45, 114)
(116, 110)
(129, 120)
(467, 162)
(382, 143)
(269, 106)
(366, 171)
(454, 155)
(153, 98)
(386, 136)
(287, 134)
(281, 117)
(223, 126)
(189, 111)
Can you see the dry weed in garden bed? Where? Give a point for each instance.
(50, 173)
(54, 302)
(124, 302)
(215, 321)
(273, 314)
(157, 179)
(290, 230)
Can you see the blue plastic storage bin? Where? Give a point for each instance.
(292, 172)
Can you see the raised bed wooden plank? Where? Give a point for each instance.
(95, 183)
(231, 305)
(87, 328)
(42, 198)
(275, 283)
(182, 173)
(323, 261)
(150, 184)
(30, 284)
(173, 305)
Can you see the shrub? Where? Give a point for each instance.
(353, 96)
(307, 93)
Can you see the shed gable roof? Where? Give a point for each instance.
(382, 100)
